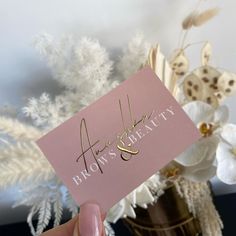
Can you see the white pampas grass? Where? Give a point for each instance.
(198, 197)
(82, 67)
(18, 130)
(46, 113)
(21, 163)
(134, 56)
(76, 64)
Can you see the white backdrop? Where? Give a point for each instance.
(23, 74)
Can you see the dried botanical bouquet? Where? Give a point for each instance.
(85, 71)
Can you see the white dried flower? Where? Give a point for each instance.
(226, 155)
(198, 160)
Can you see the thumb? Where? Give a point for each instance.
(90, 221)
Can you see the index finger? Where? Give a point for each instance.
(66, 229)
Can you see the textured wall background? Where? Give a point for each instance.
(23, 74)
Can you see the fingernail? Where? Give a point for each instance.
(76, 230)
(90, 222)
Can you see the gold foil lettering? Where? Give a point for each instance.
(83, 126)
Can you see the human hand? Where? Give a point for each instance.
(89, 222)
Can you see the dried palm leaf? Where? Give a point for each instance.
(160, 65)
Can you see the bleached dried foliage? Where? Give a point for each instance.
(46, 201)
(18, 130)
(134, 56)
(82, 67)
(199, 200)
(22, 162)
(76, 64)
(45, 112)
(196, 18)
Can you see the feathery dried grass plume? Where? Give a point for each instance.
(18, 130)
(197, 19)
(45, 112)
(205, 16)
(188, 21)
(200, 204)
(21, 163)
(75, 63)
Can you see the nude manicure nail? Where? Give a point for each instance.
(90, 222)
(76, 229)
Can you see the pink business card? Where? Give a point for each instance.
(112, 146)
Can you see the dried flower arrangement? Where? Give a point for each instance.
(84, 70)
